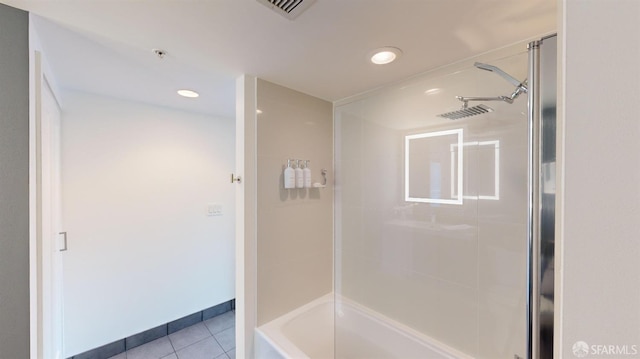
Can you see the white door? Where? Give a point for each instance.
(50, 239)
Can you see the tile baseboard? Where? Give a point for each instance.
(136, 340)
(103, 352)
(183, 322)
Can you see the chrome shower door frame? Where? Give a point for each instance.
(542, 178)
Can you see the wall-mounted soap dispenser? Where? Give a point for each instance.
(289, 176)
(299, 175)
(306, 172)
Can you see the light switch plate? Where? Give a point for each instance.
(214, 209)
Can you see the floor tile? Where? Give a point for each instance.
(227, 338)
(221, 322)
(211, 339)
(204, 349)
(152, 350)
(189, 335)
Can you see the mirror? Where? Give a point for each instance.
(431, 176)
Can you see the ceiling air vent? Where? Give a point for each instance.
(288, 8)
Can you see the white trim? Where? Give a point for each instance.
(33, 195)
(42, 241)
(246, 215)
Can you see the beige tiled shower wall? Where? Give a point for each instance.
(295, 226)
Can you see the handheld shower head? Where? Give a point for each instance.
(512, 80)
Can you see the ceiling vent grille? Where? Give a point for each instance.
(288, 8)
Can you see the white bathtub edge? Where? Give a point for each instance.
(265, 348)
(271, 332)
(404, 329)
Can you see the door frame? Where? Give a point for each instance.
(45, 282)
(246, 214)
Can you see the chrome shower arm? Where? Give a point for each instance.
(519, 90)
(465, 100)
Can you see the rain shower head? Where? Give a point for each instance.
(466, 112)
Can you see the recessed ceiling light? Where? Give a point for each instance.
(433, 91)
(385, 55)
(188, 93)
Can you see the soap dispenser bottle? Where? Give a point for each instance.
(299, 176)
(307, 174)
(289, 176)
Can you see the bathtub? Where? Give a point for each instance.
(308, 333)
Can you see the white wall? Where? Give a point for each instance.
(600, 200)
(136, 183)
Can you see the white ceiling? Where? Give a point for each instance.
(105, 46)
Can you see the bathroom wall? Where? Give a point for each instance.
(599, 199)
(454, 272)
(14, 183)
(136, 183)
(294, 226)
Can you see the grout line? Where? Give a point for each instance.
(230, 349)
(170, 342)
(209, 330)
(194, 343)
(220, 345)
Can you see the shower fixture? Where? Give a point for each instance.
(521, 86)
(466, 111)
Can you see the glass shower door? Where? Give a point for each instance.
(431, 218)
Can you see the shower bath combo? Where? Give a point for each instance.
(483, 273)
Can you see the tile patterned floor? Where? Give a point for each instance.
(212, 339)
